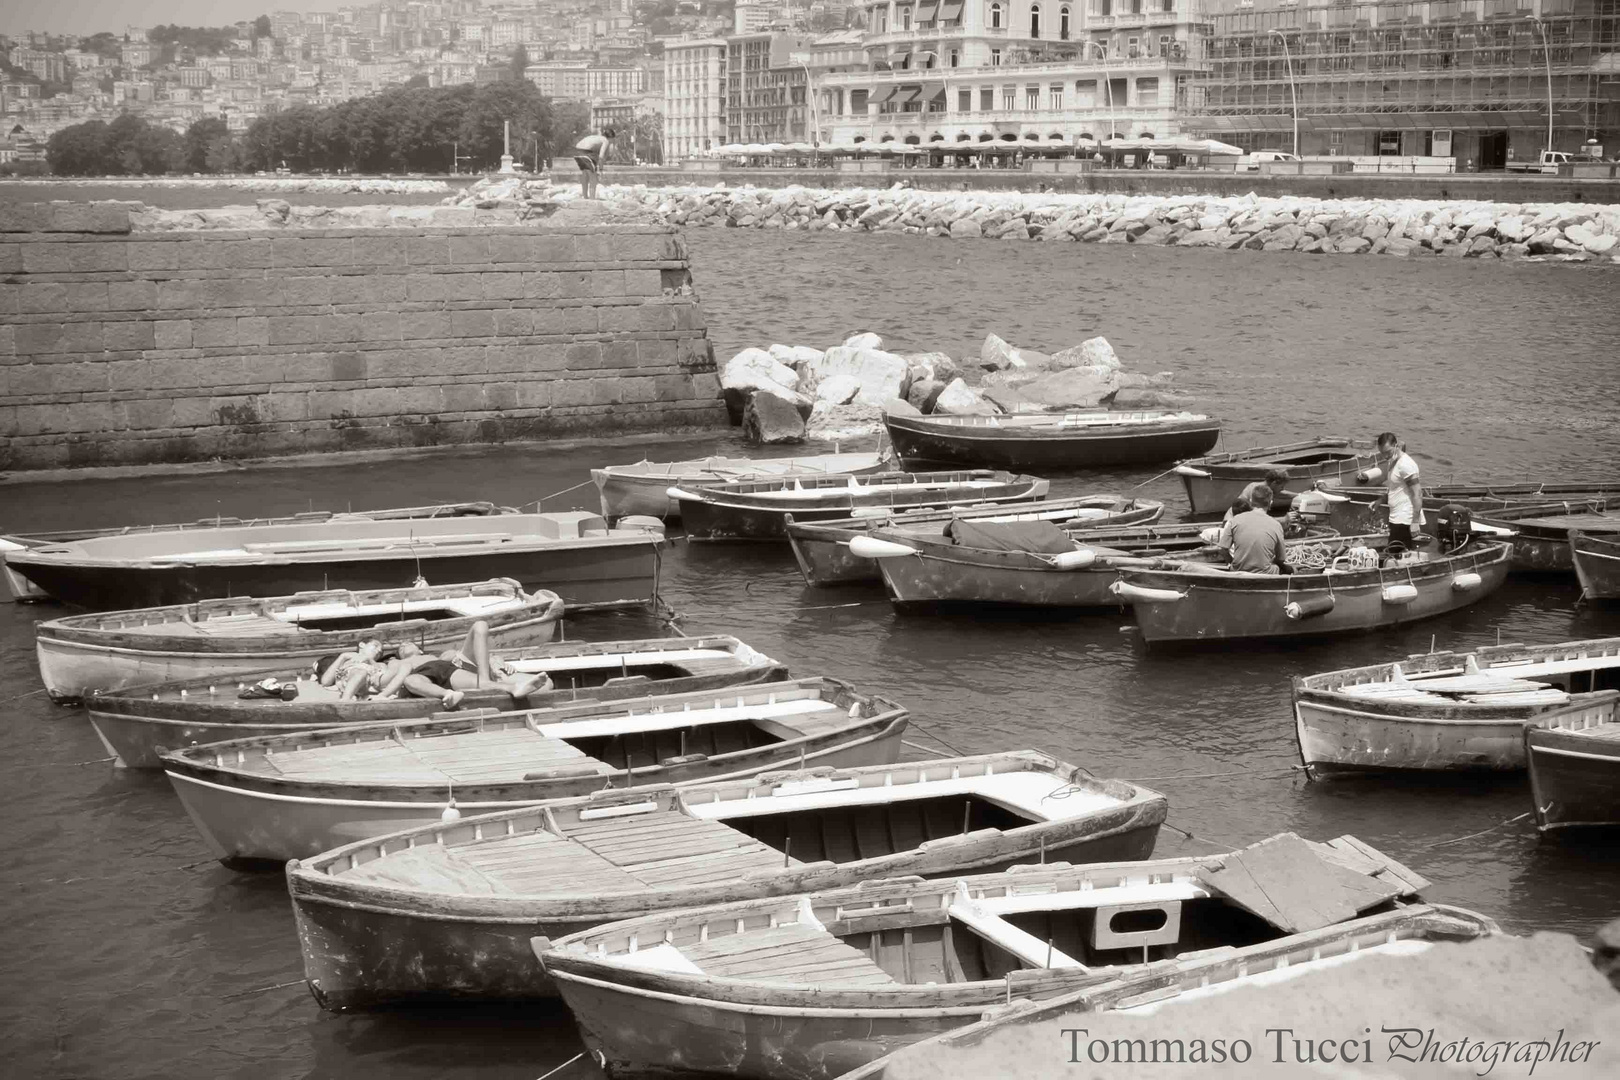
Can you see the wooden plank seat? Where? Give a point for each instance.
(795, 953)
(464, 758)
(667, 848)
(505, 866)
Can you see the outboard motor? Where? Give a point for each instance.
(1453, 526)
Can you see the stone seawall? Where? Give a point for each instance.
(121, 346)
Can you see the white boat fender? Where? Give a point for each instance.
(1078, 559)
(1210, 535)
(1400, 594)
(869, 511)
(1309, 608)
(640, 523)
(1466, 581)
(872, 547)
(678, 494)
(1370, 476)
(9, 545)
(1139, 594)
(1191, 470)
(1491, 530)
(450, 812)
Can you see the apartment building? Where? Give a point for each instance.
(694, 96)
(766, 91)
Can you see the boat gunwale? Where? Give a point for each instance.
(1246, 583)
(832, 529)
(1254, 458)
(958, 429)
(1317, 687)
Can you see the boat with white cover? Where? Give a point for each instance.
(282, 797)
(1172, 990)
(1445, 711)
(573, 553)
(1214, 481)
(137, 723)
(758, 510)
(824, 557)
(81, 654)
(447, 910)
(808, 987)
(643, 488)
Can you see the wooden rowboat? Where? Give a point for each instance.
(447, 911)
(1303, 961)
(1190, 601)
(758, 510)
(1214, 481)
(1541, 540)
(810, 987)
(24, 590)
(134, 723)
(643, 488)
(1053, 441)
(1597, 565)
(1444, 711)
(822, 547)
(571, 552)
(81, 654)
(1365, 509)
(285, 797)
(1574, 764)
(919, 569)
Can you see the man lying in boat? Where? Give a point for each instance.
(445, 676)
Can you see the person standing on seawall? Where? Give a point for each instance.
(589, 153)
(1405, 488)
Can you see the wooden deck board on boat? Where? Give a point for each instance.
(470, 757)
(1287, 882)
(794, 953)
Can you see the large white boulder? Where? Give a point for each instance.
(960, 399)
(866, 340)
(794, 356)
(996, 355)
(1092, 352)
(769, 419)
(838, 389)
(1075, 387)
(932, 365)
(849, 421)
(881, 375)
(754, 369)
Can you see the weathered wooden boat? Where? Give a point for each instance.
(643, 488)
(135, 723)
(1541, 531)
(81, 654)
(809, 987)
(1068, 568)
(447, 911)
(573, 553)
(1444, 711)
(1189, 600)
(1597, 565)
(1054, 441)
(22, 589)
(822, 547)
(1574, 762)
(291, 796)
(1214, 481)
(1176, 987)
(758, 510)
(1350, 509)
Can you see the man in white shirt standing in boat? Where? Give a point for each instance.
(589, 153)
(1405, 487)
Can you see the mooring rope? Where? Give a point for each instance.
(556, 494)
(1482, 832)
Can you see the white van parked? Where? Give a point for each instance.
(1255, 159)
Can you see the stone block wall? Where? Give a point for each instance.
(121, 347)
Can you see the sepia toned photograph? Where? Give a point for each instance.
(810, 539)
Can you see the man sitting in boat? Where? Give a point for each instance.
(1255, 538)
(451, 673)
(1276, 480)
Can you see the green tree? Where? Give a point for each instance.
(80, 150)
(520, 63)
(261, 27)
(570, 122)
(200, 151)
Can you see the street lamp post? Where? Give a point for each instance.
(1546, 53)
(810, 97)
(1293, 87)
(1108, 86)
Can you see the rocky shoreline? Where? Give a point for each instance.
(1568, 232)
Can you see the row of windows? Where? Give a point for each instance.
(1087, 95)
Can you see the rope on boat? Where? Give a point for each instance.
(1309, 556)
(19, 697)
(262, 990)
(830, 607)
(555, 494)
(564, 1065)
(1482, 832)
(1272, 775)
(1223, 845)
(918, 725)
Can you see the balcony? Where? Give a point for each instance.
(916, 33)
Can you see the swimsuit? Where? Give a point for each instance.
(437, 672)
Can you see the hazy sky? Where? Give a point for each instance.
(89, 16)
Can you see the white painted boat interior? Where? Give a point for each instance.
(799, 493)
(1531, 680)
(1039, 796)
(1293, 968)
(741, 468)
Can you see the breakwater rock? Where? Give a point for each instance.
(333, 185)
(1572, 232)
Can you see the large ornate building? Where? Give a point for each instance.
(694, 96)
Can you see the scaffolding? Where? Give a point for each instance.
(1464, 65)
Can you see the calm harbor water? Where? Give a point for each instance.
(129, 954)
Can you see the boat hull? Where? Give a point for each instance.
(1597, 566)
(246, 822)
(1216, 607)
(927, 579)
(708, 520)
(591, 574)
(1215, 493)
(1011, 450)
(74, 670)
(624, 493)
(1334, 739)
(137, 741)
(1574, 780)
(360, 955)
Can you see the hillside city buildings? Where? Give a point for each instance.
(1472, 80)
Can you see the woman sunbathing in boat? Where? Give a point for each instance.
(451, 673)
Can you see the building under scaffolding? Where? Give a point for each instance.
(1467, 79)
